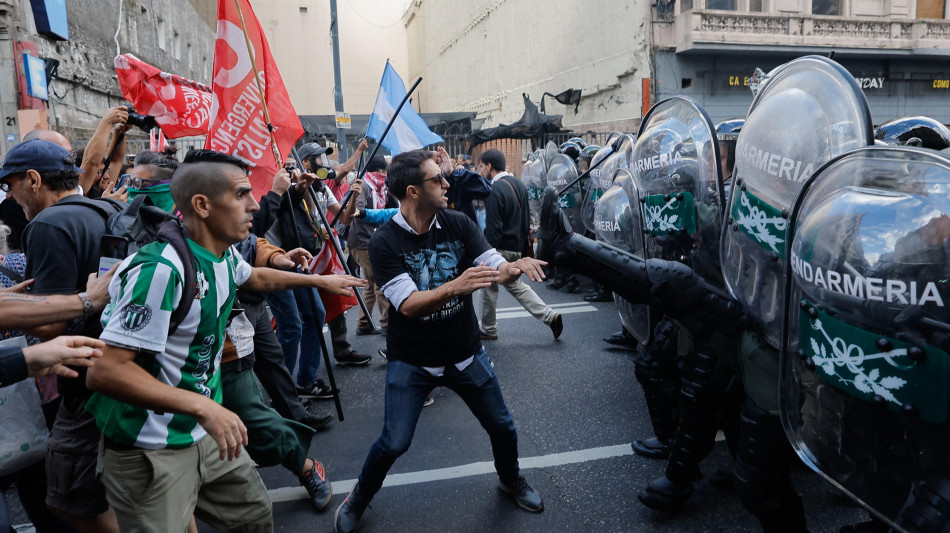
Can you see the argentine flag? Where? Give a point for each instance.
(409, 131)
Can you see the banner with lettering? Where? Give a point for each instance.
(181, 107)
(244, 70)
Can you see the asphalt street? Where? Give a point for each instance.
(577, 407)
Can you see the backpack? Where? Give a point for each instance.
(139, 223)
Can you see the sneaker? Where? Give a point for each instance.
(319, 489)
(368, 331)
(353, 358)
(429, 400)
(524, 494)
(318, 390)
(489, 336)
(350, 512)
(383, 354)
(557, 326)
(316, 422)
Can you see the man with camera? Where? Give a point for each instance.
(288, 213)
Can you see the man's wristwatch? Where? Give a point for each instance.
(86, 304)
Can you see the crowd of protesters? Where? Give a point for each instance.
(149, 377)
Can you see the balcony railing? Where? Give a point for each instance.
(709, 29)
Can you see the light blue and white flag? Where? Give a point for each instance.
(409, 131)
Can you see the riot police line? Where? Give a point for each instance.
(786, 278)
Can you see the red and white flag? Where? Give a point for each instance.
(238, 126)
(181, 107)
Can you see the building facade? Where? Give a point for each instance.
(78, 42)
(627, 55)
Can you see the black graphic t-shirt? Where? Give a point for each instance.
(450, 334)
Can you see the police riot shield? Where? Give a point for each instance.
(675, 166)
(533, 176)
(597, 185)
(865, 365)
(809, 111)
(619, 224)
(561, 171)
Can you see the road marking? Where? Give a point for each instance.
(285, 494)
(564, 309)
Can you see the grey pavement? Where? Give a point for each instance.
(577, 407)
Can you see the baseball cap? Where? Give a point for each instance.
(38, 155)
(310, 149)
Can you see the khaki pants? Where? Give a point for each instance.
(158, 490)
(521, 291)
(372, 294)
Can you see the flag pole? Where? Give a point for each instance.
(276, 150)
(260, 88)
(379, 142)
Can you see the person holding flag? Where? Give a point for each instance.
(408, 130)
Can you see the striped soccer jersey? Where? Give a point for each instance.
(145, 291)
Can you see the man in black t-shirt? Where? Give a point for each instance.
(61, 243)
(428, 261)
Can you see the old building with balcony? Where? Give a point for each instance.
(898, 50)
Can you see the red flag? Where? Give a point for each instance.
(181, 107)
(238, 124)
(326, 263)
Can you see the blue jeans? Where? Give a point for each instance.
(406, 389)
(297, 327)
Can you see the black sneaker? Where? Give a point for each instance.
(318, 390)
(319, 489)
(557, 326)
(350, 512)
(316, 422)
(368, 331)
(524, 494)
(354, 358)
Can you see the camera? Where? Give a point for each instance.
(143, 122)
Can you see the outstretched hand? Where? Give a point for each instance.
(339, 284)
(474, 278)
(51, 357)
(529, 266)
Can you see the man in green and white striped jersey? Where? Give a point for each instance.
(158, 395)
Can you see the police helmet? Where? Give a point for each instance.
(914, 131)
(571, 149)
(581, 143)
(728, 130)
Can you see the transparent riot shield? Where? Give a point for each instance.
(533, 175)
(809, 111)
(562, 171)
(865, 384)
(675, 166)
(619, 224)
(597, 185)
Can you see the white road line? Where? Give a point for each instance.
(511, 312)
(473, 469)
(552, 306)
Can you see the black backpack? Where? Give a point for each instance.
(139, 223)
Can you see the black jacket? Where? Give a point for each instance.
(506, 214)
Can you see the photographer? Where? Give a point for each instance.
(99, 146)
(298, 324)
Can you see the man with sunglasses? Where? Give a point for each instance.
(428, 261)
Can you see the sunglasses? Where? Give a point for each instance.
(440, 178)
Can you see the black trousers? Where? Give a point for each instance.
(270, 367)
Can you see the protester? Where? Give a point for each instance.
(288, 213)
(507, 229)
(374, 195)
(154, 416)
(61, 244)
(428, 261)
